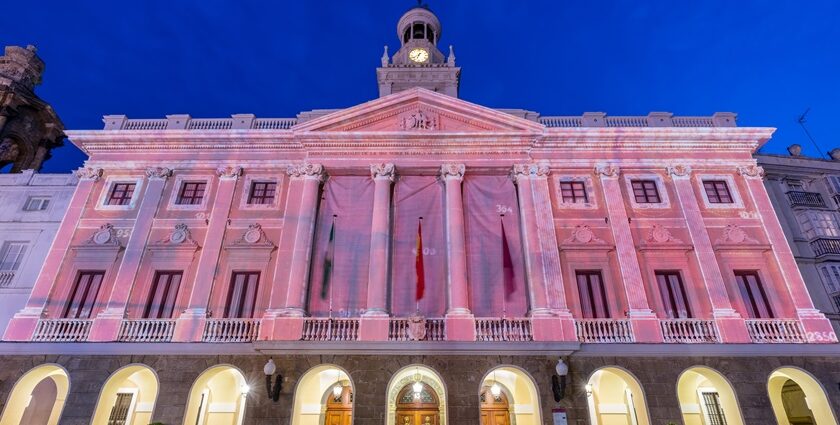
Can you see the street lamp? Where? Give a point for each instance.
(558, 380)
(272, 390)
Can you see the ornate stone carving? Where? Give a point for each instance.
(529, 170)
(583, 234)
(89, 173)
(158, 172)
(106, 235)
(607, 170)
(386, 170)
(733, 234)
(678, 170)
(305, 170)
(229, 172)
(659, 234)
(181, 235)
(751, 171)
(455, 171)
(254, 236)
(417, 328)
(419, 120)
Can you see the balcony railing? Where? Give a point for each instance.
(503, 330)
(824, 246)
(6, 278)
(147, 330)
(688, 331)
(231, 330)
(604, 330)
(330, 329)
(400, 330)
(775, 331)
(62, 330)
(805, 199)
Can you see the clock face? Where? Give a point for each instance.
(419, 55)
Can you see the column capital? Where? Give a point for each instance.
(529, 171)
(607, 170)
(383, 171)
(306, 171)
(229, 172)
(89, 173)
(452, 171)
(751, 171)
(678, 171)
(158, 172)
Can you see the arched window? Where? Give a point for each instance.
(323, 395)
(128, 396)
(706, 397)
(615, 397)
(798, 398)
(508, 395)
(38, 397)
(417, 396)
(222, 387)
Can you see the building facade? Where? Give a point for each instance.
(419, 259)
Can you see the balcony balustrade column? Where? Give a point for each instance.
(190, 324)
(817, 327)
(107, 324)
(460, 323)
(732, 327)
(642, 319)
(22, 326)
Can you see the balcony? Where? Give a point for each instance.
(231, 330)
(62, 330)
(6, 278)
(400, 330)
(330, 329)
(146, 330)
(688, 331)
(775, 331)
(825, 246)
(503, 330)
(604, 330)
(805, 199)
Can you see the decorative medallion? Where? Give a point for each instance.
(660, 234)
(89, 173)
(678, 170)
(582, 233)
(419, 120)
(386, 170)
(751, 171)
(180, 234)
(417, 328)
(607, 170)
(733, 234)
(254, 236)
(305, 170)
(158, 172)
(106, 235)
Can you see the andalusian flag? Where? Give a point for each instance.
(418, 263)
(507, 266)
(328, 262)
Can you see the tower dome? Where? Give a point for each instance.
(419, 23)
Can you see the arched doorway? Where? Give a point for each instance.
(416, 394)
(128, 396)
(798, 398)
(38, 397)
(217, 397)
(615, 397)
(508, 395)
(323, 396)
(707, 398)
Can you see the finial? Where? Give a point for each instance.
(385, 57)
(451, 59)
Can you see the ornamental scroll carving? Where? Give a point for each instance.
(660, 234)
(180, 236)
(419, 120)
(305, 170)
(751, 171)
(734, 235)
(678, 170)
(529, 170)
(89, 173)
(455, 171)
(105, 236)
(254, 236)
(158, 172)
(229, 172)
(607, 170)
(383, 170)
(583, 234)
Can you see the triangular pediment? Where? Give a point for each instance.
(419, 110)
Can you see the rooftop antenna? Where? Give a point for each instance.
(801, 120)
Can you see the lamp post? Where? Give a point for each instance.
(272, 390)
(558, 380)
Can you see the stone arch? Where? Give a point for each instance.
(407, 375)
(137, 386)
(312, 389)
(521, 390)
(38, 397)
(224, 388)
(614, 396)
(815, 401)
(698, 382)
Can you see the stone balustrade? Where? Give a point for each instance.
(689, 331)
(503, 330)
(146, 330)
(775, 331)
(604, 330)
(62, 330)
(398, 330)
(231, 330)
(330, 329)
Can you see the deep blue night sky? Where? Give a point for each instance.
(767, 61)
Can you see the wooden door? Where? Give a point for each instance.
(494, 410)
(417, 408)
(340, 409)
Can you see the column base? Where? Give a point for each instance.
(106, 326)
(731, 326)
(374, 328)
(817, 327)
(22, 326)
(189, 326)
(553, 328)
(460, 327)
(645, 326)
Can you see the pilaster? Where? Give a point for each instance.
(460, 323)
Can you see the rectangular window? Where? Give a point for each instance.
(674, 298)
(593, 297)
(645, 191)
(83, 297)
(712, 408)
(836, 299)
(164, 292)
(242, 295)
(820, 224)
(120, 411)
(262, 193)
(11, 255)
(192, 193)
(717, 191)
(36, 203)
(831, 276)
(753, 294)
(573, 192)
(121, 194)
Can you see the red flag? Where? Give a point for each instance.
(507, 266)
(418, 264)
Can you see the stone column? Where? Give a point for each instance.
(107, 324)
(374, 323)
(642, 319)
(729, 322)
(460, 323)
(817, 327)
(550, 317)
(190, 324)
(22, 326)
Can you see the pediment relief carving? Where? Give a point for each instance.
(105, 237)
(582, 234)
(735, 235)
(179, 238)
(254, 237)
(661, 235)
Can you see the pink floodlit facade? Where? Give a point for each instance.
(596, 218)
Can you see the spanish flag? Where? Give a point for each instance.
(418, 263)
(328, 262)
(507, 266)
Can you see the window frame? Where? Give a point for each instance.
(588, 187)
(44, 204)
(75, 290)
(229, 298)
(107, 187)
(176, 192)
(704, 409)
(165, 298)
(737, 201)
(672, 301)
(591, 296)
(248, 182)
(661, 190)
(749, 301)
(5, 248)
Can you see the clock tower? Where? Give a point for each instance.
(418, 62)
